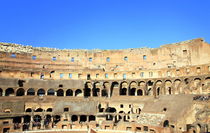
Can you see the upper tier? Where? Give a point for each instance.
(187, 53)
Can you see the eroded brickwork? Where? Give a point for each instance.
(158, 90)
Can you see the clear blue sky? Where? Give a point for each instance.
(103, 24)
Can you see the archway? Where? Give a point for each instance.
(41, 92)
(51, 92)
(49, 110)
(74, 118)
(96, 92)
(123, 91)
(114, 85)
(30, 92)
(166, 123)
(20, 92)
(9, 92)
(140, 92)
(83, 118)
(60, 92)
(37, 118)
(28, 110)
(132, 91)
(92, 118)
(1, 92)
(104, 93)
(78, 92)
(69, 92)
(110, 110)
(56, 119)
(87, 92)
(39, 110)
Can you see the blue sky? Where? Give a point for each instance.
(103, 24)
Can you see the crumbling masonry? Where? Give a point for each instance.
(155, 90)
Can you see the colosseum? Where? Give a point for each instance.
(136, 90)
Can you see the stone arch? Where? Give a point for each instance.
(123, 89)
(20, 92)
(92, 118)
(1, 92)
(51, 92)
(176, 86)
(168, 87)
(96, 89)
(87, 89)
(31, 92)
(49, 110)
(9, 92)
(41, 92)
(104, 93)
(142, 86)
(139, 92)
(132, 88)
(114, 87)
(74, 118)
(83, 118)
(69, 92)
(60, 92)
(158, 88)
(28, 110)
(39, 110)
(110, 110)
(56, 118)
(166, 123)
(37, 118)
(206, 85)
(78, 92)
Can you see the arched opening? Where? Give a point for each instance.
(41, 92)
(96, 92)
(51, 92)
(83, 118)
(114, 85)
(166, 123)
(104, 93)
(37, 118)
(20, 92)
(110, 110)
(74, 118)
(39, 110)
(140, 92)
(26, 120)
(87, 92)
(123, 91)
(49, 110)
(56, 119)
(132, 92)
(169, 91)
(28, 110)
(109, 117)
(60, 92)
(158, 91)
(122, 112)
(78, 92)
(1, 92)
(30, 92)
(17, 121)
(92, 118)
(69, 92)
(47, 120)
(9, 92)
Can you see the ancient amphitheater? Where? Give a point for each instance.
(140, 90)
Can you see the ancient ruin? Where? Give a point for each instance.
(154, 90)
